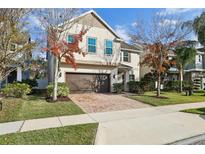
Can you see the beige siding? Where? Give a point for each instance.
(101, 33)
(134, 63)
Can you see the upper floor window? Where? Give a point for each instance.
(91, 45)
(199, 58)
(108, 47)
(126, 56)
(70, 39)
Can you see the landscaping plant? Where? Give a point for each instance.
(57, 26)
(18, 90)
(63, 90)
(118, 87)
(158, 38)
(184, 56)
(14, 40)
(136, 87)
(31, 82)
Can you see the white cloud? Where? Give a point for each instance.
(172, 11)
(134, 24)
(168, 22)
(35, 21)
(122, 31)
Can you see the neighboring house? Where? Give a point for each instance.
(143, 68)
(193, 71)
(16, 72)
(109, 59)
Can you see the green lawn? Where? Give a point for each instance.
(78, 134)
(172, 98)
(35, 107)
(200, 111)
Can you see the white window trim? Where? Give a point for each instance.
(129, 60)
(92, 45)
(106, 47)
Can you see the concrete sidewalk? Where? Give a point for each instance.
(43, 123)
(150, 125)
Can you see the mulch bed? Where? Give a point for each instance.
(62, 99)
(160, 97)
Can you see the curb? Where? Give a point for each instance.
(189, 141)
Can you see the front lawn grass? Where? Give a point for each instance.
(35, 107)
(169, 98)
(200, 111)
(78, 134)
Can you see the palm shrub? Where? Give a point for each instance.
(18, 90)
(184, 56)
(63, 90)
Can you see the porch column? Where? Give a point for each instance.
(19, 74)
(126, 79)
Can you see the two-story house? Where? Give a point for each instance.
(109, 59)
(16, 73)
(192, 72)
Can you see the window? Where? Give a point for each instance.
(126, 56)
(70, 39)
(199, 58)
(92, 45)
(108, 47)
(132, 77)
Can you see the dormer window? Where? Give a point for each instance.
(108, 47)
(70, 39)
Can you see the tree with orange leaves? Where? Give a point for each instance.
(158, 58)
(159, 36)
(62, 50)
(57, 23)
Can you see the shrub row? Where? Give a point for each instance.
(20, 90)
(175, 85)
(136, 87)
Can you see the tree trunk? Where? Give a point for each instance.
(158, 85)
(181, 79)
(55, 89)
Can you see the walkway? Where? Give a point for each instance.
(153, 125)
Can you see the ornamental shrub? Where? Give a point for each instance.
(63, 90)
(17, 90)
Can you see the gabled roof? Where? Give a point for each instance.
(99, 18)
(129, 47)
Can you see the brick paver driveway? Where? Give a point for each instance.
(96, 102)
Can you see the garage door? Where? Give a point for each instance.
(88, 82)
